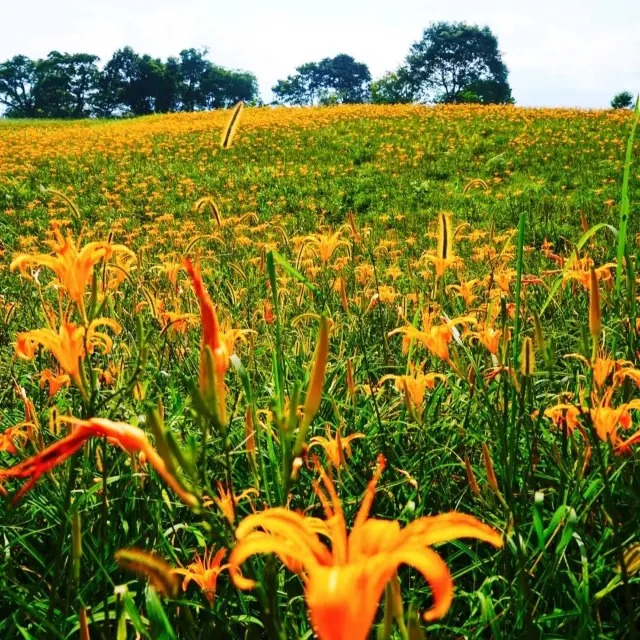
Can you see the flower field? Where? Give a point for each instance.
(344, 372)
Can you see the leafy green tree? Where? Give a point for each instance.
(169, 86)
(456, 62)
(17, 87)
(347, 78)
(394, 87)
(138, 85)
(115, 94)
(194, 68)
(295, 90)
(71, 85)
(622, 100)
(339, 80)
(66, 84)
(224, 87)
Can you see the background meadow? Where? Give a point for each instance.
(328, 212)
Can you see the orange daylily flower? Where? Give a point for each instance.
(435, 338)
(628, 371)
(227, 502)
(10, 435)
(562, 414)
(606, 419)
(344, 584)
(73, 265)
(337, 448)
(324, 245)
(56, 381)
(489, 337)
(230, 336)
(503, 278)
(580, 270)
(415, 384)
(130, 438)
(68, 344)
(204, 572)
(603, 367)
(172, 270)
(177, 322)
(465, 290)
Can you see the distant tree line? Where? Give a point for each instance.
(451, 63)
(72, 85)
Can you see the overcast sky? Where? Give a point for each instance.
(559, 52)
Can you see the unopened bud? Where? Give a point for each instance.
(527, 358)
(488, 465)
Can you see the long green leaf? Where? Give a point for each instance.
(516, 332)
(624, 204)
(292, 271)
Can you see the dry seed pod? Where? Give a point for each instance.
(232, 126)
(147, 564)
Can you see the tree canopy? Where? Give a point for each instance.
(453, 62)
(64, 85)
(457, 62)
(622, 100)
(338, 80)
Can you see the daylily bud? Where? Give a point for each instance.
(350, 383)
(250, 433)
(595, 320)
(527, 358)
(296, 465)
(76, 544)
(84, 624)
(157, 570)
(314, 391)
(473, 483)
(537, 332)
(343, 296)
(214, 358)
(488, 465)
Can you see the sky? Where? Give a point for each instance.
(571, 53)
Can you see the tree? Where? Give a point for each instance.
(394, 87)
(340, 79)
(66, 84)
(17, 86)
(137, 85)
(169, 86)
(224, 87)
(456, 62)
(194, 68)
(622, 100)
(115, 96)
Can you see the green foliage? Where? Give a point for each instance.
(338, 80)
(564, 518)
(622, 100)
(456, 62)
(394, 87)
(72, 85)
(65, 84)
(17, 84)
